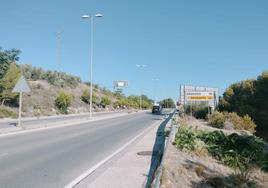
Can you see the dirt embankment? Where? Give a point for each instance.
(185, 169)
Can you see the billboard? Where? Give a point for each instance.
(120, 84)
(198, 94)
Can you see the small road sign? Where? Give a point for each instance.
(20, 87)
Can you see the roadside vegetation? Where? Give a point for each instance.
(242, 153)
(249, 97)
(199, 111)
(167, 103)
(206, 156)
(231, 121)
(54, 92)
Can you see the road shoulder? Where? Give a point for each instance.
(128, 168)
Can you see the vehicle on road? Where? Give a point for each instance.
(157, 109)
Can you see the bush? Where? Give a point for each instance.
(63, 101)
(241, 123)
(199, 111)
(4, 112)
(185, 138)
(85, 97)
(238, 152)
(105, 101)
(216, 119)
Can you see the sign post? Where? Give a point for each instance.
(20, 87)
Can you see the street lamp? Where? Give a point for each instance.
(91, 17)
(141, 67)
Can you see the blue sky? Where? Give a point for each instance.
(208, 42)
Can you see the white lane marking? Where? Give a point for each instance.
(3, 154)
(95, 167)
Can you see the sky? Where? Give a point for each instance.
(208, 43)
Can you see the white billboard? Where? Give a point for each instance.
(199, 94)
(120, 84)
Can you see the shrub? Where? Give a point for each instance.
(199, 111)
(238, 152)
(105, 101)
(241, 123)
(241, 153)
(216, 119)
(4, 112)
(185, 138)
(85, 97)
(63, 101)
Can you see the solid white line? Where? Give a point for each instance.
(95, 167)
(3, 154)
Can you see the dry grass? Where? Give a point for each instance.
(198, 169)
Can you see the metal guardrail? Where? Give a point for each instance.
(169, 140)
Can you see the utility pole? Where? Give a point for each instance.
(59, 33)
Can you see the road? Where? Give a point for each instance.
(54, 157)
(52, 119)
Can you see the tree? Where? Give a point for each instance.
(168, 103)
(249, 97)
(6, 58)
(7, 83)
(63, 101)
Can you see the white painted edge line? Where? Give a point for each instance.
(96, 166)
(63, 124)
(3, 154)
(5, 120)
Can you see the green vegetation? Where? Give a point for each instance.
(6, 58)
(249, 97)
(63, 101)
(85, 97)
(105, 102)
(199, 111)
(5, 112)
(168, 103)
(55, 78)
(7, 84)
(217, 119)
(133, 101)
(242, 153)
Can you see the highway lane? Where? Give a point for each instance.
(53, 119)
(53, 158)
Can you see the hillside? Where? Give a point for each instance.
(55, 92)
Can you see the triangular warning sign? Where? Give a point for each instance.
(21, 86)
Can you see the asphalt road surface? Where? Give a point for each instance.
(53, 119)
(55, 157)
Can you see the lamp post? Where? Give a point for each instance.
(91, 17)
(141, 67)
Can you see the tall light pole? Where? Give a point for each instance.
(141, 67)
(91, 17)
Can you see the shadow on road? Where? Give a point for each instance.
(158, 150)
